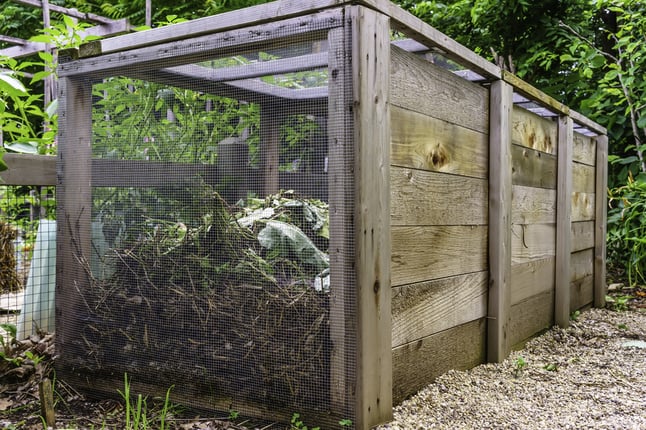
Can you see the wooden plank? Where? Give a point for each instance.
(343, 326)
(532, 205)
(581, 264)
(371, 109)
(533, 93)
(415, 28)
(530, 317)
(583, 178)
(83, 16)
(251, 16)
(600, 221)
(533, 168)
(583, 206)
(582, 235)
(417, 364)
(423, 87)
(563, 222)
(532, 242)
(425, 253)
(500, 219)
(28, 169)
(74, 208)
(585, 149)
(420, 310)
(582, 293)
(588, 123)
(423, 142)
(197, 49)
(421, 198)
(531, 278)
(533, 131)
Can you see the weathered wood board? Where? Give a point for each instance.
(426, 198)
(533, 131)
(581, 293)
(422, 309)
(416, 364)
(448, 97)
(532, 168)
(425, 253)
(583, 178)
(583, 208)
(532, 205)
(581, 264)
(531, 316)
(532, 242)
(584, 149)
(582, 235)
(531, 278)
(423, 142)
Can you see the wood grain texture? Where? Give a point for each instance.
(422, 198)
(600, 222)
(532, 242)
(563, 223)
(417, 364)
(584, 150)
(583, 178)
(581, 264)
(533, 131)
(420, 86)
(74, 208)
(532, 205)
(371, 110)
(582, 235)
(583, 206)
(531, 316)
(582, 293)
(426, 253)
(28, 169)
(533, 168)
(500, 221)
(423, 142)
(531, 278)
(343, 326)
(422, 309)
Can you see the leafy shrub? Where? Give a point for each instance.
(627, 229)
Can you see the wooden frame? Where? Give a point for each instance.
(358, 103)
(499, 221)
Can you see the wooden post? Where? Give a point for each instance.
(563, 222)
(600, 221)
(271, 117)
(371, 122)
(500, 132)
(341, 199)
(74, 197)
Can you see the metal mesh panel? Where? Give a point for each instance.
(210, 231)
(27, 272)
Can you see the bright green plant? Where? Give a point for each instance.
(618, 303)
(519, 365)
(627, 229)
(345, 423)
(136, 409)
(298, 424)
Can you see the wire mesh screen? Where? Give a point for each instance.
(210, 228)
(27, 261)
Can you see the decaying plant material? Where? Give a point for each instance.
(233, 301)
(9, 280)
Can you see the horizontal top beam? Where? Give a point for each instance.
(87, 17)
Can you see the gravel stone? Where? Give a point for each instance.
(582, 377)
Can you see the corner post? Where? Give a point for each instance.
(371, 119)
(500, 186)
(563, 222)
(600, 222)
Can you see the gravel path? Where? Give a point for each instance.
(589, 376)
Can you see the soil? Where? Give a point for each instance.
(534, 396)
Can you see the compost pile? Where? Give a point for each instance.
(233, 302)
(9, 280)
